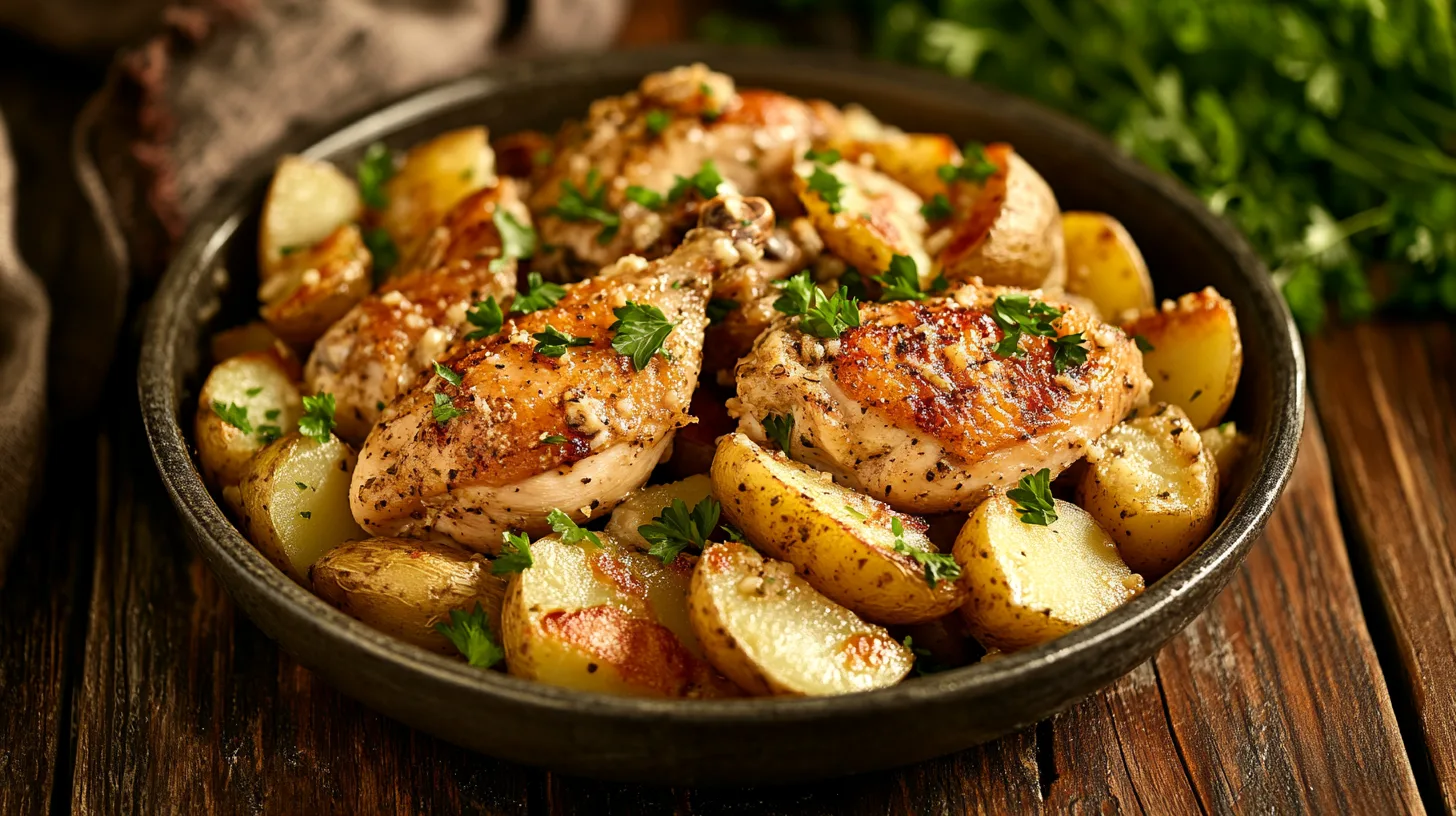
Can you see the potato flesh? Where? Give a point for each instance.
(1105, 265)
(841, 542)
(772, 633)
(878, 218)
(307, 200)
(1031, 583)
(1197, 354)
(257, 382)
(434, 177)
(644, 505)
(304, 499)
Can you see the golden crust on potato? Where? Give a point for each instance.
(1196, 354)
(1008, 231)
(433, 178)
(876, 217)
(913, 159)
(315, 286)
(307, 200)
(1104, 265)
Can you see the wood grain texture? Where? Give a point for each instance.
(1386, 395)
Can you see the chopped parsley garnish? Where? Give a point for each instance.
(254, 391)
(720, 308)
(588, 203)
(444, 409)
(542, 157)
(829, 156)
(1068, 351)
(517, 240)
(376, 168)
(709, 114)
(657, 121)
(648, 198)
(570, 531)
(940, 284)
(1016, 314)
(857, 514)
(937, 208)
(486, 317)
(382, 251)
(639, 332)
(938, 566)
(779, 428)
(925, 663)
(705, 182)
(470, 633)
(676, 528)
(269, 433)
(552, 439)
(447, 374)
(272, 413)
(540, 294)
(798, 296)
(901, 281)
(234, 415)
(831, 316)
(1142, 343)
(300, 485)
(515, 554)
(828, 186)
(317, 422)
(554, 343)
(974, 166)
(307, 514)
(1033, 499)
(852, 282)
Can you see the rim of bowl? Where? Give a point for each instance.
(196, 260)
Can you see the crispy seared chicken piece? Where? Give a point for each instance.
(915, 407)
(650, 138)
(523, 432)
(379, 348)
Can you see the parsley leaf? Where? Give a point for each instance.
(831, 316)
(234, 415)
(570, 531)
(487, 317)
(588, 203)
(829, 156)
(382, 251)
(1142, 343)
(267, 434)
(720, 308)
(901, 281)
(447, 374)
(938, 566)
(779, 428)
(1016, 314)
(657, 121)
(376, 168)
(515, 554)
(552, 439)
(650, 199)
(1068, 351)
(517, 240)
(444, 409)
(974, 166)
(254, 391)
(1033, 499)
(705, 182)
(937, 208)
(554, 343)
(676, 528)
(852, 282)
(828, 186)
(470, 633)
(639, 332)
(925, 663)
(799, 294)
(317, 422)
(940, 284)
(539, 295)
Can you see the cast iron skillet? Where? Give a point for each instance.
(211, 285)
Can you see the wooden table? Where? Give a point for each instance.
(1318, 681)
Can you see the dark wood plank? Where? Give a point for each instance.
(1385, 394)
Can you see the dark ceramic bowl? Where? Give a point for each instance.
(761, 740)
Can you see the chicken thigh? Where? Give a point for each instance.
(523, 432)
(915, 406)
(379, 348)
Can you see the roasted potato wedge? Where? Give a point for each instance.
(1153, 488)
(606, 619)
(403, 587)
(1105, 266)
(256, 391)
(875, 219)
(433, 178)
(1196, 354)
(315, 286)
(839, 540)
(1007, 231)
(772, 633)
(913, 159)
(1029, 583)
(307, 201)
(255, 336)
(646, 504)
(295, 501)
(1227, 445)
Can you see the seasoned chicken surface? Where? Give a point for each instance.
(648, 139)
(914, 406)
(379, 348)
(524, 432)
(742, 304)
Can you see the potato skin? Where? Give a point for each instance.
(1008, 232)
(434, 177)
(306, 201)
(403, 587)
(1151, 485)
(913, 159)
(772, 633)
(315, 286)
(878, 219)
(1030, 584)
(1197, 354)
(223, 449)
(790, 513)
(1227, 444)
(295, 501)
(1104, 265)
